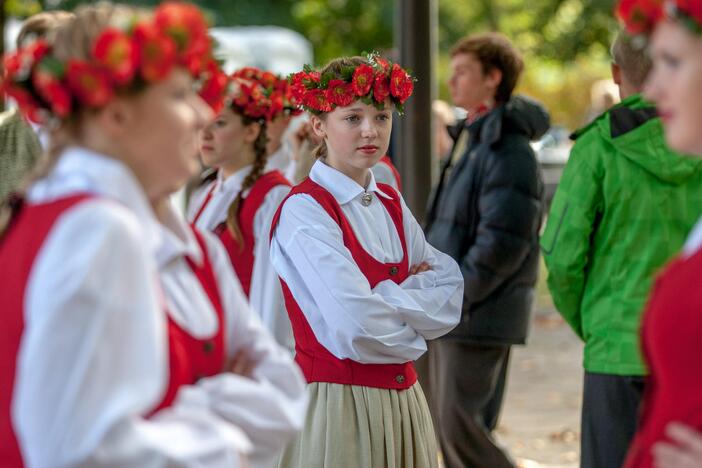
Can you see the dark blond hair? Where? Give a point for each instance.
(632, 58)
(70, 36)
(40, 25)
(259, 165)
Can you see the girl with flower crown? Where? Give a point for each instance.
(363, 288)
(239, 204)
(672, 325)
(122, 328)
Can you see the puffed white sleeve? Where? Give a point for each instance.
(433, 298)
(270, 405)
(266, 294)
(348, 318)
(92, 360)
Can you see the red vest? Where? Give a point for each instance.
(671, 335)
(388, 162)
(242, 257)
(190, 358)
(316, 362)
(18, 250)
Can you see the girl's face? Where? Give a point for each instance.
(160, 133)
(357, 136)
(227, 141)
(675, 85)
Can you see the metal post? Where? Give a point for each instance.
(416, 42)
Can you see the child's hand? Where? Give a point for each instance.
(684, 452)
(419, 268)
(241, 364)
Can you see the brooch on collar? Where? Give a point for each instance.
(366, 199)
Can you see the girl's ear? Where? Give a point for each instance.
(251, 132)
(116, 117)
(318, 127)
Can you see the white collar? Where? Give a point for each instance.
(82, 170)
(178, 240)
(233, 183)
(342, 187)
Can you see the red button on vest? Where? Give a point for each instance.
(190, 358)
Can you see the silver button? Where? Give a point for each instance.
(399, 378)
(366, 199)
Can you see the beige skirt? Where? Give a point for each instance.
(364, 427)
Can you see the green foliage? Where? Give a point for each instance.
(21, 8)
(344, 27)
(564, 42)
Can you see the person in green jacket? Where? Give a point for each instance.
(623, 208)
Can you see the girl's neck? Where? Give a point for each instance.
(360, 176)
(232, 167)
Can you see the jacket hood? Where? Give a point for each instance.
(527, 116)
(636, 132)
(520, 115)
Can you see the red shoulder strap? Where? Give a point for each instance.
(260, 189)
(388, 162)
(205, 274)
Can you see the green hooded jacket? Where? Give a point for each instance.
(623, 208)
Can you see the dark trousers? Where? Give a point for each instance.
(468, 382)
(610, 414)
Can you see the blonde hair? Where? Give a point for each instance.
(40, 25)
(259, 165)
(72, 37)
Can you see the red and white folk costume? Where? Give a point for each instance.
(102, 328)
(208, 211)
(359, 320)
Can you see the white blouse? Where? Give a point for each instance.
(383, 174)
(93, 356)
(270, 406)
(265, 293)
(386, 324)
(282, 161)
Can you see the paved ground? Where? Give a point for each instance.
(541, 417)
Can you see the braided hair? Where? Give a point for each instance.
(259, 165)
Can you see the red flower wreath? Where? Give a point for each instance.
(277, 90)
(145, 52)
(373, 82)
(640, 16)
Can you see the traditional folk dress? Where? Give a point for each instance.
(343, 255)
(86, 350)
(671, 334)
(208, 211)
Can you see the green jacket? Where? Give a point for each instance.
(623, 208)
(19, 151)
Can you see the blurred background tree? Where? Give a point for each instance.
(565, 42)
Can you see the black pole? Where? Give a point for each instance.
(415, 41)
